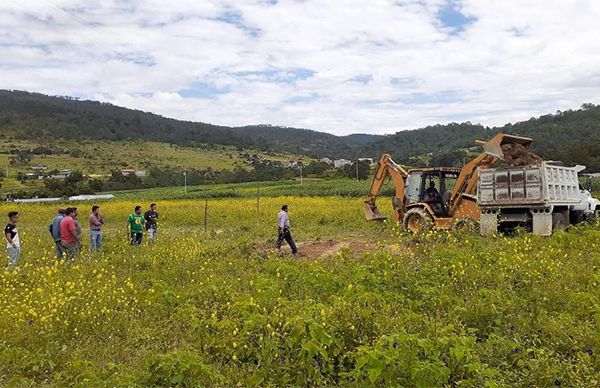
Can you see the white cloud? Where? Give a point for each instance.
(335, 65)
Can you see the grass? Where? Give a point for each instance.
(210, 309)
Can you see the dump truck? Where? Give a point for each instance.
(439, 197)
(540, 198)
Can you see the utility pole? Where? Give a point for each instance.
(300, 175)
(357, 161)
(185, 179)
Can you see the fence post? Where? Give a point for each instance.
(257, 199)
(205, 213)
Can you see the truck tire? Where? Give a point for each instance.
(417, 220)
(466, 225)
(559, 222)
(596, 214)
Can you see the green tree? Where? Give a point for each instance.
(358, 169)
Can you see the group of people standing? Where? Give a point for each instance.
(66, 231)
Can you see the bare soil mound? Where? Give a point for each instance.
(313, 250)
(518, 155)
(322, 249)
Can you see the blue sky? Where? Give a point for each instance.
(340, 66)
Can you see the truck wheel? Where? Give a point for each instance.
(466, 225)
(558, 222)
(417, 221)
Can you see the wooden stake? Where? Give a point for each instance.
(257, 199)
(205, 214)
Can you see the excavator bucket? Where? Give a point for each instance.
(372, 213)
(494, 146)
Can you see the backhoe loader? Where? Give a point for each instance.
(437, 197)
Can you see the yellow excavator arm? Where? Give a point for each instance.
(386, 168)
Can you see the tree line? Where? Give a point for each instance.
(77, 183)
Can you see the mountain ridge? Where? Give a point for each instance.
(35, 115)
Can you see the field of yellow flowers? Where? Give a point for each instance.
(207, 308)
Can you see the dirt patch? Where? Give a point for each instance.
(322, 249)
(313, 250)
(518, 155)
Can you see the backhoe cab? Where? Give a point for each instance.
(439, 197)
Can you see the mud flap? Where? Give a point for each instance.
(488, 223)
(542, 224)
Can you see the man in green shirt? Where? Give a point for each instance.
(135, 226)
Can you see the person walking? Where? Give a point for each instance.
(13, 243)
(54, 229)
(96, 224)
(284, 232)
(151, 217)
(69, 238)
(135, 226)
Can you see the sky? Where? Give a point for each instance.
(339, 66)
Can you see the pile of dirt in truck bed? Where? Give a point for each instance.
(518, 155)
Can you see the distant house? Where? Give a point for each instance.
(39, 168)
(294, 163)
(130, 171)
(33, 176)
(60, 175)
(339, 163)
(97, 176)
(326, 160)
(370, 160)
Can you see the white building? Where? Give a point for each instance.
(130, 171)
(339, 163)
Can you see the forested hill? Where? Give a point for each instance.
(34, 116)
(572, 136)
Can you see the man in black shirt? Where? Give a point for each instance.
(151, 217)
(11, 234)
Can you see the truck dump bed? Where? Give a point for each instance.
(539, 185)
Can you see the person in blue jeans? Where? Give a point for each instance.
(96, 224)
(54, 229)
(13, 244)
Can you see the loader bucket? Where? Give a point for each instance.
(494, 146)
(372, 213)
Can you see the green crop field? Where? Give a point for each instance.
(364, 303)
(307, 188)
(99, 157)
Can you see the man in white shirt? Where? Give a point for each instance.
(283, 229)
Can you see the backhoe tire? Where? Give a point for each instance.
(417, 221)
(466, 225)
